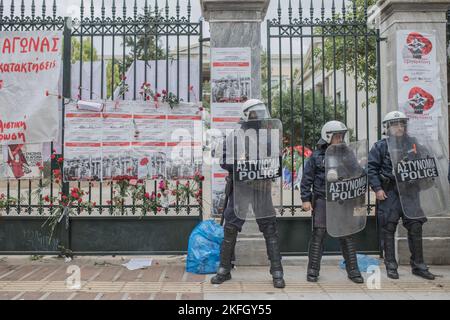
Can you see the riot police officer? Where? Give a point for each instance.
(313, 197)
(383, 182)
(252, 111)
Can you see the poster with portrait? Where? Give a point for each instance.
(22, 162)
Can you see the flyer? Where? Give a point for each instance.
(133, 139)
(419, 84)
(230, 88)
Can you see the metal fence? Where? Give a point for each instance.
(115, 38)
(322, 64)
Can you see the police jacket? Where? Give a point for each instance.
(380, 164)
(227, 160)
(313, 180)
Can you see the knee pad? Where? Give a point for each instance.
(415, 229)
(390, 227)
(267, 227)
(230, 230)
(270, 231)
(319, 233)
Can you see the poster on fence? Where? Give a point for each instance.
(230, 88)
(418, 76)
(132, 139)
(30, 65)
(22, 161)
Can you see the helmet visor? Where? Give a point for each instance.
(338, 137)
(397, 123)
(397, 128)
(257, 112)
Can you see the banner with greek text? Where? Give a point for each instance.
(30, 65)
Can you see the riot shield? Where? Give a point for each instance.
(257, 168)
(420, 169)
(346, 187)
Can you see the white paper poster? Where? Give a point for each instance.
(30, 65)
(419, 87)
(230, 88)
(133, 139)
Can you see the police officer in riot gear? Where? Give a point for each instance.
(253, 110)
(313, 197)
(382, 181)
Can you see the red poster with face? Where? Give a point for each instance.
(16, 160)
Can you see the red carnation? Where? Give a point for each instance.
(144, 161)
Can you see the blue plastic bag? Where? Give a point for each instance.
(204, 248)
(363, 262)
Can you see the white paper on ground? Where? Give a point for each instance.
(135, 264)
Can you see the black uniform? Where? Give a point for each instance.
(313, 190)
(262, 206)
(390, 211)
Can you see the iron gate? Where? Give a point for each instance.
(322, 64)
(147, 33)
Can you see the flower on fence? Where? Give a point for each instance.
(49, 94)
(190, 189)
(65, 205)
(126, 190)
(144, 161)
(170, 98)
(7, 201)
(40, 166)
(123, 86)
(162, 185)
(191, 89)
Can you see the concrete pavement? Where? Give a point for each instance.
(105, 278)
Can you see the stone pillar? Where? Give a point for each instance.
(234, 24)
(416, 15)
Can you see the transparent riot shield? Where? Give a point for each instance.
(346, 187)
(420, 167)
(257, 168)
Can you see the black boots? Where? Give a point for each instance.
(419, 268)
(315, 254)
(226, 254)
(389, 250)
(273, 252)
(348, 248)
